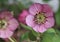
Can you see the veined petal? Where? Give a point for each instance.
(5, 33)
(42, 28)
(50, 22)
(36, 28)
(12, 24)
(47, 10)
(6, 15)
(29, 20)
(35, 9)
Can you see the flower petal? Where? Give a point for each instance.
(12, 24)
(5, 33)
(47, 10)
(36, 28)
(6, 15)
(40, 28)
(50, 22)
(29, 20)
(22, 16)
(35, 8)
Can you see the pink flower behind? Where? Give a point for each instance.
(7, 24)
(22, 16)
(40, 17)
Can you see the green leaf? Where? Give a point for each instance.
(24, 36)
(47, 37)
(25, 27)
(35, 33)
(50, 30)
(57, 16)
(31, 36)
(51, 36)
(56, 38)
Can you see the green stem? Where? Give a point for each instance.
(12, 39)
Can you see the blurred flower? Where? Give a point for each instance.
(40, 17)
(53, 3)
(7, 24)
(22, 16)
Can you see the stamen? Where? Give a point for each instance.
(3, 24)
(40, 18)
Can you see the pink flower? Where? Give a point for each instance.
(22, 16)
(7, 24)
(40, 17)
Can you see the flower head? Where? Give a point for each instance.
(7, 24)
(40, 17)
(22, 16)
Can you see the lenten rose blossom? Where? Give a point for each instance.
(22, 16)
(7, 24)
(40, 17)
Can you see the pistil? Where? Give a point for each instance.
(39, 18)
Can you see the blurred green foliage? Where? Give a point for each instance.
(57, 16)
(51, 36)
(31, 36)
(23, 37)
(46, 0)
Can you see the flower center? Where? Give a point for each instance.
(40, 18)
(3, 24)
